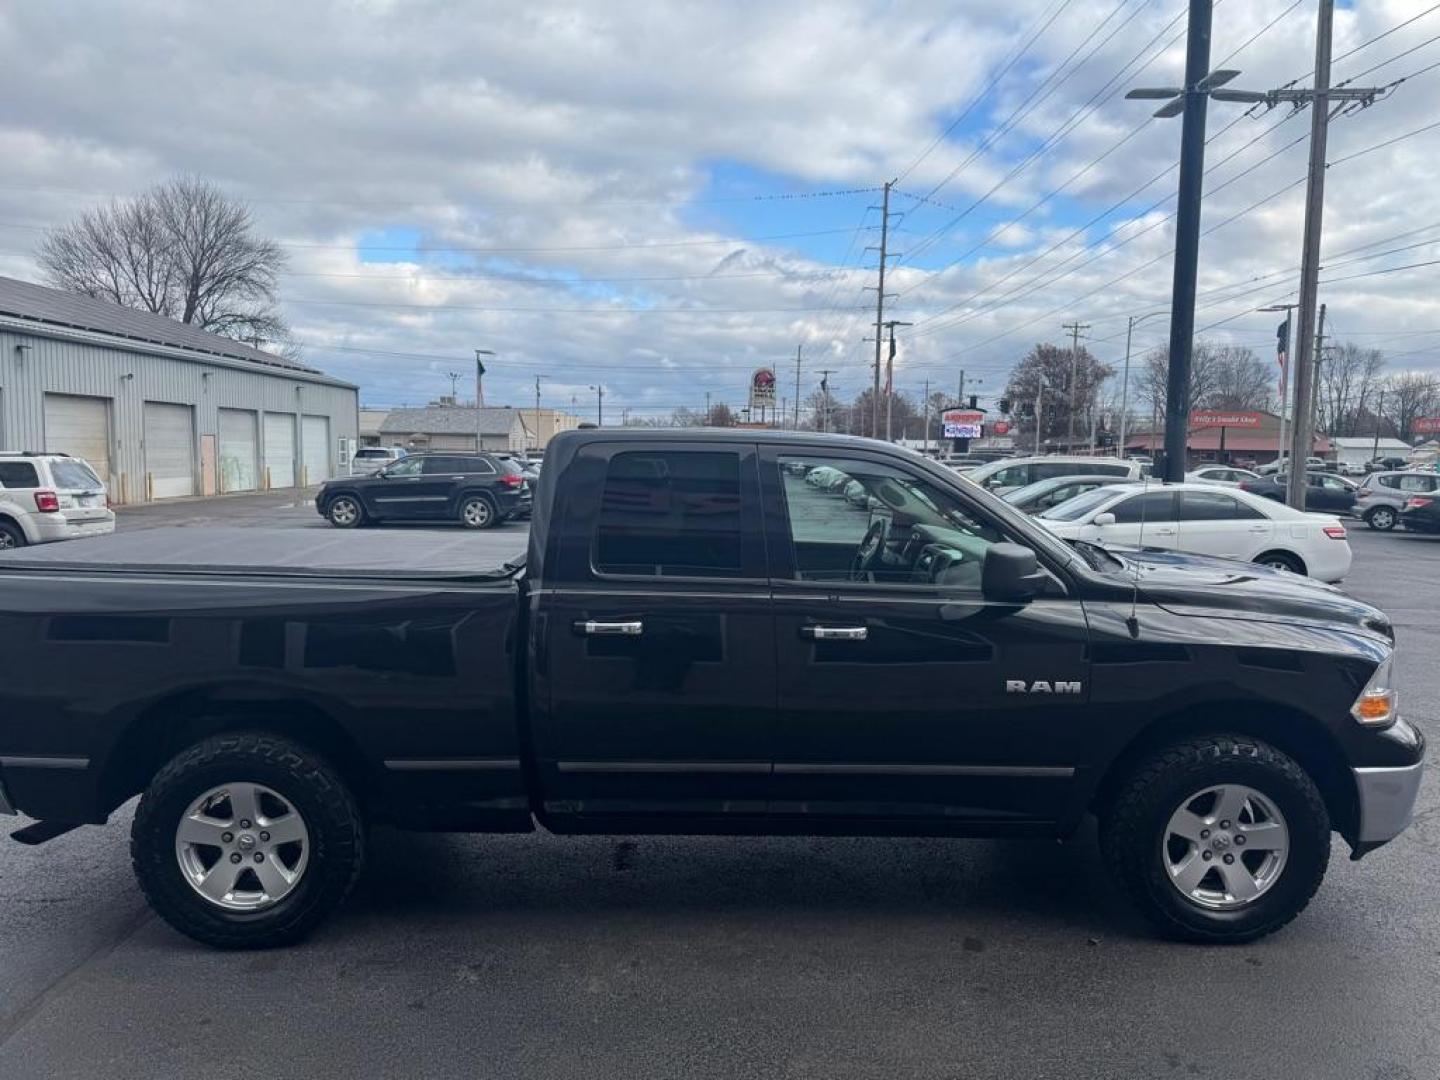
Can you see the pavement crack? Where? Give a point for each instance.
(15, 1023)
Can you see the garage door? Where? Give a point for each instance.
(170, 449)
(80, 427)
(239, 451)
(280, 449)
(315, 447)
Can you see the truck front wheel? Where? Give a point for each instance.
(1218, 838)
(246, 840)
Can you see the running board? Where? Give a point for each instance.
(41, 832)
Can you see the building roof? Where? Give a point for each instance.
(66, 310)
(449, 420)
(1366, 442)
(1236, 439)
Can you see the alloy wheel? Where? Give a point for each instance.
(1225, 847)
(476, 513)
(242, 846)
(344, 512)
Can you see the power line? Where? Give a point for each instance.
(990, 86)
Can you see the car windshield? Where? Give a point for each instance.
(1080, 505)
(74, 474)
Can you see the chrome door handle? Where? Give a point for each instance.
(834, 633)
(611, 629)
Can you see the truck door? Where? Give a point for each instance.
(655, 671)
(904, 693)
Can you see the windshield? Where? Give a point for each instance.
(74, 474)
(1076, 508)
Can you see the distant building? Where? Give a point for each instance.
(545, 424)
(454, 427)
(1258, 444)
(1359, 449)
(370, 421)
(160, 409)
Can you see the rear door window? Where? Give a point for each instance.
(671, 513)
(1214, 506)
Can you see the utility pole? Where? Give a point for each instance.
(797, 386)
(1379, 419)
(1074, 328)
(1302, 432)
(707, 408)
(890, 372)
(600, 405)
(480, 396)
(1039, 413)
(927, 416)
(825, 374)
(960, 391)
(537, 412)
(884, 250)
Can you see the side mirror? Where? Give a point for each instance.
(1010, 572)
(1107, 518)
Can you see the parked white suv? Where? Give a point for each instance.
(1010, 473)
(45, 497)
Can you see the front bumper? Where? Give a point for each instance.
(1387, 801)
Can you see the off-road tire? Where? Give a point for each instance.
(306, 781)
(1132, 827)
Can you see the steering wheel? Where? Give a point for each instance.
(868, 553)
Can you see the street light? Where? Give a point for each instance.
(1191, 100)
(599, 405)
(1125, 379)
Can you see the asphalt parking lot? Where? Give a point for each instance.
(538, 956)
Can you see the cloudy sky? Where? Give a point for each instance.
(659, 196)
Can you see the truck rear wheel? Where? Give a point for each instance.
(1218, 839)
(246, 840)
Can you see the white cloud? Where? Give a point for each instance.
(553, 125)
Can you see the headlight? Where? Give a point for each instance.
(1377, 706)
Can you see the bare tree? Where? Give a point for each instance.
(1349, 379)
(183, 249)
(1409, 396)
(1049, 366)
(1221, 377)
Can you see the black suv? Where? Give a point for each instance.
(477, 490)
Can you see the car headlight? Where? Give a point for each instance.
(1378, 705)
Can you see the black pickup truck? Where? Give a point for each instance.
(708, 635)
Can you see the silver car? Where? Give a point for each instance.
(1381, 495)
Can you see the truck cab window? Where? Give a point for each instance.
(674, 513)
(855, 520)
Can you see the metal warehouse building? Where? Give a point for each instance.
(161, 409)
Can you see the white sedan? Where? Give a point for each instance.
(1202, 519)
(1220, 475)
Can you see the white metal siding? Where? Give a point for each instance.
(170, 449)
(80, 427)
(280, 449)
(123, 374)
(315, 448)
(239, 450)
